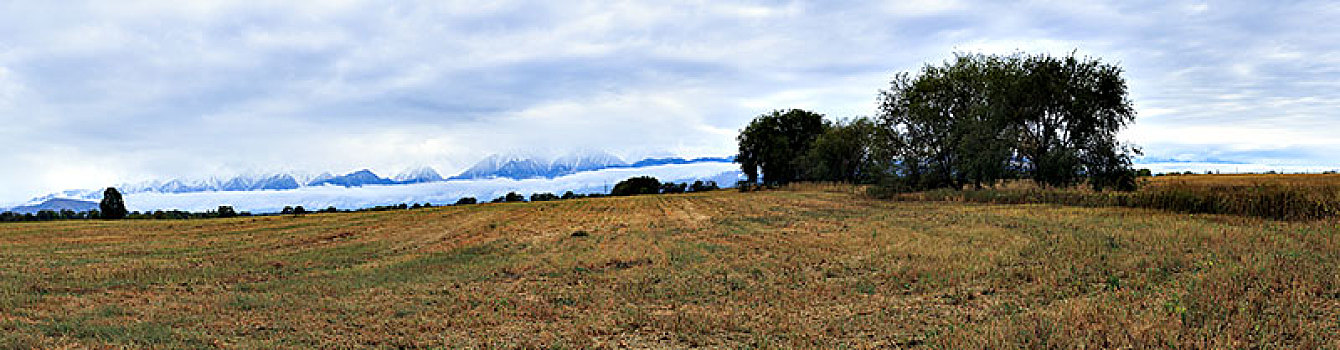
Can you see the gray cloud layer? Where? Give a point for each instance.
(103, 92)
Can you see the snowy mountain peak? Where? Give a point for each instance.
(314, 179)
(355, 179)
(584, 161)
(517, 167)
(503, 167)
(418, 175)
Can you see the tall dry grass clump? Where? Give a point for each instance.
(1307, 197)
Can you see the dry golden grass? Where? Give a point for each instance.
(1247, 179)
(815, 267)
(1280, 197)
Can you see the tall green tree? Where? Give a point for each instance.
(112, 207)
(978, 119)
(845, 152)
(774, 143)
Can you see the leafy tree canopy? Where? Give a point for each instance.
(112, 207)
(637, 185)
(774, 142)
(978, 119)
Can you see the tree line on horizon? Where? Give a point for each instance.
(112, 206)
(970, 122)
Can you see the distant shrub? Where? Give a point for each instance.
(670, 187)
(637, 185)
(466, 200)
(699, 186)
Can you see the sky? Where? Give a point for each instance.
(104, 92)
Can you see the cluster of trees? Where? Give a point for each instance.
(47, 215)
(800, 145)
(67, 214)
(650, 185)
(631, 186)
(113, 207)
(973, 121)
(534, 197)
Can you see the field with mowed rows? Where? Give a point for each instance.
(802, 267)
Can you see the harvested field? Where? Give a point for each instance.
(818, 267)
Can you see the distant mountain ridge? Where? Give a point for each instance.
(527, 167)
(55, 204)
(506, 166)
(521, 168)
(418, 175)
(355, 179)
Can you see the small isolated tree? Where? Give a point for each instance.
(299, 210)
(112, 206)
(466, 200)
(226, 211)
(514, 197)
(637, 185)
(287, 210)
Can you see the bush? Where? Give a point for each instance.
(466, 200)
(226, 211)
(637, 185)
(671, 187)
(699, 186)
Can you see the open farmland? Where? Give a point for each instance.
(805, 267)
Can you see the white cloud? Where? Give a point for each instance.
(132, 90)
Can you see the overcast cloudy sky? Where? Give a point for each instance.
(105, 92)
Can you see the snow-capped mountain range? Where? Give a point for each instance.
(584, 172)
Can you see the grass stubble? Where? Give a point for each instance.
(816, 267)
